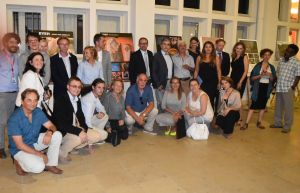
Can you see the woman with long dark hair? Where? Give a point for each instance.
(194, 48)
(208, 68)
(32, 77)
(173, 105)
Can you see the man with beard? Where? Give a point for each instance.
(9, 70)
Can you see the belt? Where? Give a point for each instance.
(185, 79)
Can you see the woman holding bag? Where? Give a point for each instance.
(173, 105)
(229, 106)
(115, 108)
(198, 107)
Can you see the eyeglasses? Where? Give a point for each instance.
(141, 100)
(75, 86)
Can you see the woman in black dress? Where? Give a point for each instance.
(262, 78)
(239, 70)
(208, 68)
(194, 49)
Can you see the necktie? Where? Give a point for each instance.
(220, 55)
(146, 64)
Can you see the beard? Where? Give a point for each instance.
(13, 49)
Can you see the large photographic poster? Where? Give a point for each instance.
(52, 36)
(280, 49)
(204, 39)
(252, 53)
(174, 40)
(120, 46)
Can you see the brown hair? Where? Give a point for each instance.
(227, 79)
(28, 91)
(113, 83)
(74, 78)
(263, 51)
(8, 36)
(143, 38)
(63, 38)
(93, 50)
(180, 90)
(220, 40)
(212, 57)
(233, 54)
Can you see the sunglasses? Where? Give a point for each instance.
(141, 100)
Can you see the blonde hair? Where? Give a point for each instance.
(93, 50)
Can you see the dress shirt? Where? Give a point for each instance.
(89, 72)
(73, 100)
(146, 60)
(67, 63)
(9, 80)
(179, 71)
(169, 62)
(90, 104)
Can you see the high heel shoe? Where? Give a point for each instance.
(167, 132)
(244, 127)
(259, 125)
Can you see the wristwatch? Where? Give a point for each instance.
(144, 114)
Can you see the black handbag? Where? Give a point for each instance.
(180, 128)
(113, 138)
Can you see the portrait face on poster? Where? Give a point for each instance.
(120, 47)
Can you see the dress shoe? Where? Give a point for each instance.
(285, 131)
(2, 154)
(275, 126)
(53, 170)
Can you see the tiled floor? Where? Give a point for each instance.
(254, 160)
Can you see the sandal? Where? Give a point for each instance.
(259, 125)
(239, 123)
(244, 127)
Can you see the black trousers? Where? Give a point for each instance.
(122, 130)
(227, 123)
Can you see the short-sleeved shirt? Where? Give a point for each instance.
(286, 74)
(19, 125)
(137, 100)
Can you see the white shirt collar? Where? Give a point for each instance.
(164, 53)
(72, 98)
(59, 55)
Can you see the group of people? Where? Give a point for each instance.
(89, 106)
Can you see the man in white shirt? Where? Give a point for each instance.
(103, 57)
(94, 112)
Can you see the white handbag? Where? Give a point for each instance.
(198, 131)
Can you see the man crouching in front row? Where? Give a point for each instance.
(25, 140)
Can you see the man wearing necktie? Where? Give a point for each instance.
(224, 57)
(141, 61)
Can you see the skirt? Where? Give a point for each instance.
(262, 97)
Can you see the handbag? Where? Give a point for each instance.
(198, 131)
(113, 138)
(180, 128)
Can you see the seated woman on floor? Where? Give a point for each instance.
(173, 105)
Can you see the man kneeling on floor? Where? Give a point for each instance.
(139, 104)
(25, 140)
(69, 119)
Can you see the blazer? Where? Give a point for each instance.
(225, 65)
(160, 71)
(137, 65)
(106, 65)
(59, 74)
(63, 115)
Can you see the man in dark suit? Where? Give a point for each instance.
(224, 57)
(141, 61)
(69, 118)
(63, 66)
(162, 70)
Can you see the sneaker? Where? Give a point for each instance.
(167, 132)
(149, 132)
(173, 133)
(100, 143)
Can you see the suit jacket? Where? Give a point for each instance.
(137, 65)
(225, 66)
(160, 71)
(59, 73)
(106, 64)
(63, 115)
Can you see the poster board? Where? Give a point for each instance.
(252, 53)
(280, 49)
(120, 46)
(52, 36)
(174, 40)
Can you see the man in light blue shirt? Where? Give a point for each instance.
(9, 70)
